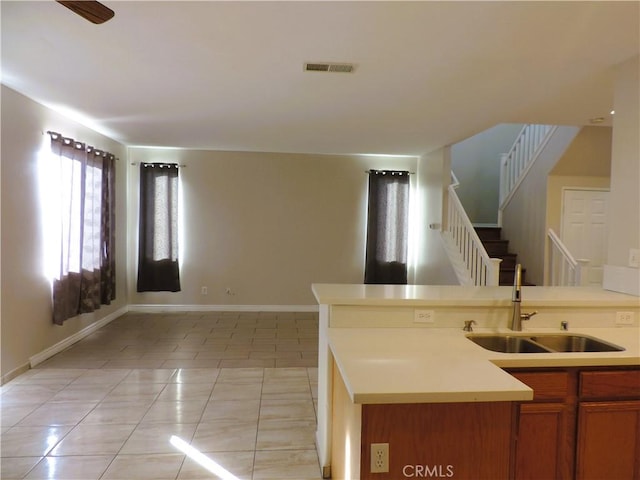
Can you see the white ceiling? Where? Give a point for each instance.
(229, 75)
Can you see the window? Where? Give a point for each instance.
(80, 185)
(158, 268)
(387, 227)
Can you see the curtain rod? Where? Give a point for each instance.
(153, 164)
(392, 172)
(88, 148)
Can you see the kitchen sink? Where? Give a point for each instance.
(575, 343)
(543, 343)
(507, 344)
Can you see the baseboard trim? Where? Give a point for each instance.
(486, 225)
(76, 337)
(7, 377)
(151, 308)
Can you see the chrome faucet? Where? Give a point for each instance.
(516, 298)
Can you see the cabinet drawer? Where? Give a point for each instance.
(546, 385)
(608, 384)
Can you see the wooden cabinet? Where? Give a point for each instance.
(608, 440)
(465, 441)
(609, 384)
(582, 424)
(544, 437)
(608, 425)
(542, 428)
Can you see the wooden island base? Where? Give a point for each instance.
(426, 440)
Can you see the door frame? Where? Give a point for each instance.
(564, 189)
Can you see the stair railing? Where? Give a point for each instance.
(563, 269)
(518, 160)
(483, 270)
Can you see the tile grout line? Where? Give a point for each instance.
(255, 443)
(137, 424)
(47, 453)
(199, 420)
(239, 329)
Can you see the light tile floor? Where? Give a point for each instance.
(239, 390)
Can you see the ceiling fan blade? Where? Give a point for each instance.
(93, 11)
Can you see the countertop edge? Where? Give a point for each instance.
(461, 296)
(354, 364)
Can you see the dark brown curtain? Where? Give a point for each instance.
(108, 222)
(387, 227)
(158, 268)
(84, 186)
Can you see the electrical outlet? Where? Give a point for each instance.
(379, 457)
(624, 318)
(634, 257)
(424, 316)
(204, 290)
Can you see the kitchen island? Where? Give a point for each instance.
(378, 357)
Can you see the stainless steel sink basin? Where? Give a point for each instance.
(575, 343)
(543, 343)
(507, 344)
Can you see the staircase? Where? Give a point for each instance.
(479, 256)
(496, 247)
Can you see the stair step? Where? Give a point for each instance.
(507, 275)
(496, 248)
(488, 233)
(509, 261)
(491, 238)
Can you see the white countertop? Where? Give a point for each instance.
(446, 295)
(418, 365)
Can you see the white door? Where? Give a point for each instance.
(584, 229)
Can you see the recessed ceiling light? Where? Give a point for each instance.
(612, 112)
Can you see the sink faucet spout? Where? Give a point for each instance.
(516, 315)
(516, 299)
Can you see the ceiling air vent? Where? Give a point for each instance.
(329, 67)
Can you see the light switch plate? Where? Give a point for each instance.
(634, 257)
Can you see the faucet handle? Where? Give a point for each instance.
(527, 316)
(468, 325)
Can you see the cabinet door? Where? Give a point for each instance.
(543, 448)
(608, 440)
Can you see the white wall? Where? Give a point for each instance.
(25, 314)
(589, 155)
(433, 178)
(476, 163)
(267, 225)
(624, 200)
(524, 218)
